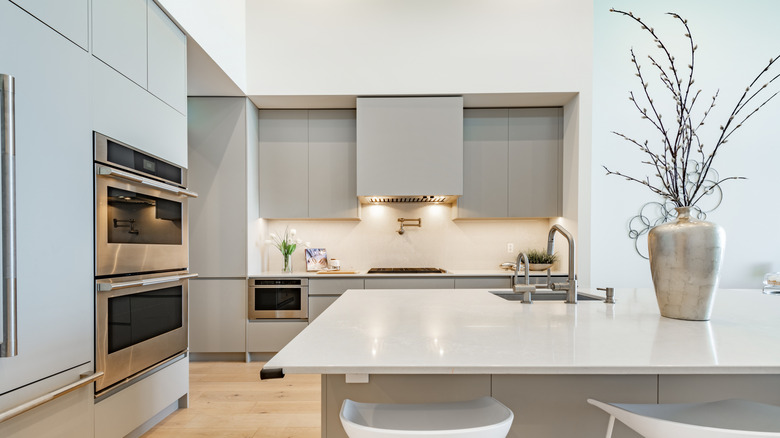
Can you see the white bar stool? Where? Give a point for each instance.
(482, 418)
(719, 419)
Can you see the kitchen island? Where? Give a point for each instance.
(542, 360)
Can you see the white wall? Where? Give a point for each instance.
(219, 27)
(441, 242)
(736, 40)
(363, 47)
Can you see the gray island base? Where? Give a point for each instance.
(542, 360)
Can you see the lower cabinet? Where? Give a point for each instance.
(71, 415)
(272, 335)
(318, 304)
(138, 407)
(218, 315)
(410, 283)
(483, 282)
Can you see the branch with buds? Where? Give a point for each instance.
(682, 146)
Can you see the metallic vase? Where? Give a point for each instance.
(685, 260)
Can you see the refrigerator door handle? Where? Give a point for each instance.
(9, 346)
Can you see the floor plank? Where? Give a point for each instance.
(228, 400)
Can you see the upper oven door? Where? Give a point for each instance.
(140, 224)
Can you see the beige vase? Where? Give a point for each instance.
(685, 260)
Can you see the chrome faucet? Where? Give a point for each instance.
(571, 285)
(526, 288)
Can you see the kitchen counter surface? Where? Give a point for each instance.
(470, 331)
(449, 273)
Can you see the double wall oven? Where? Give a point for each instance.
(141, 261)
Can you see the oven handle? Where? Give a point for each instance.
(105, 287)
(108, 171)
(8, 347)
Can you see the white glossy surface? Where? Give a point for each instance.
(470, 331)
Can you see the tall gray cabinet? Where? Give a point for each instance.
(222, 137)
(512, 163)
(307, 164)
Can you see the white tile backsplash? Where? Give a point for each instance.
(440, 242)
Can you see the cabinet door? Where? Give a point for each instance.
(55, 271)
(119, 36)
(271, 336)
(318, 304)
(410, 283)
(485, 152)
(483, 282)
(333, 286)
(535, 149)
(167, 59)
(217, 315)
(284, 163)
(217, 172)
(332, 164)
(68, 17)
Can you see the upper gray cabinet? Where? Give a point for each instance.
(119, 36)
(307, 164)
(167, 59)
(485, 171)
(535, 162)
(512, 163)
(138, 40)
(332, 189)
(68, 17)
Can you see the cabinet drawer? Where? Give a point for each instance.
(271, 336)
(317, 305)
(333, 286)
(410, 283)
(483, 282)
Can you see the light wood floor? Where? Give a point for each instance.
(228, 400)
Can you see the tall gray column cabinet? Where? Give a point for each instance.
(222, 142)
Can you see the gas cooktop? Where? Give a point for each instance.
(406, 271)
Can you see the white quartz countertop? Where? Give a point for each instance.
(470, 331)
(449, 273)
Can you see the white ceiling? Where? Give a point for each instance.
(205, 77)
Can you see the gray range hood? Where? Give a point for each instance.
(409, 149)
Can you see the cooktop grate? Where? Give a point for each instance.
(406, 271)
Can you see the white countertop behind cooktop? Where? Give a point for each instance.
(449, 273)
(470, 331)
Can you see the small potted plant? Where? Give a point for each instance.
(539, 260)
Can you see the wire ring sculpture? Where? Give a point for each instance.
(656, 213)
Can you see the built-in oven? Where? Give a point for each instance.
(276, 298)
(140, 211)
(140, 322)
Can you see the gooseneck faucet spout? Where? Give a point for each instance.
(526, 288)
(571, 285)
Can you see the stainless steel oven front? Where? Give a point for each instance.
(277, 298)
(140, 211)
(140, 322)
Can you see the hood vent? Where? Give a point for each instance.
(408, 147)
(407, 199)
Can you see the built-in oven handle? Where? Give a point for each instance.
(109, 171)
(105, 287)
(32, 404)
(9, 346)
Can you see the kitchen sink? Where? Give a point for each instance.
(543, 296)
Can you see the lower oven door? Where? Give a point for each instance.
(141, 321)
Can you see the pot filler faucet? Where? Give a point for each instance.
(571, 285)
